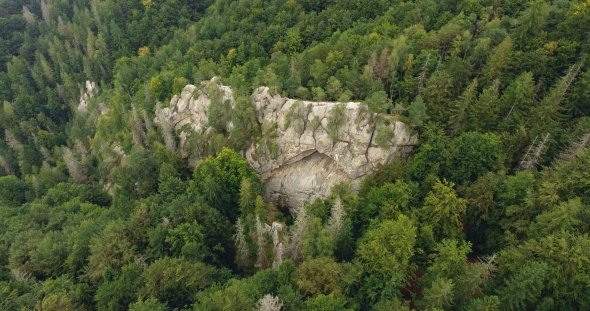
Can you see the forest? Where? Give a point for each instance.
(100, 211)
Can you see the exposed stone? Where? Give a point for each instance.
(91, 89)
(306, 162)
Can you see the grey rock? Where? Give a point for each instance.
(308, 162)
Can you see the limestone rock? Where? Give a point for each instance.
(303, 157)
(91, 89)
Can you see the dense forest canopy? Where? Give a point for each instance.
(99, 210)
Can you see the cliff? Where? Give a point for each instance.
(307, 147)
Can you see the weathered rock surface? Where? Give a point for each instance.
(302, 157)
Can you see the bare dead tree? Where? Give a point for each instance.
(74, 167)
(575, 147)
(294, 243)
(5, 165)
(531, 158)
(168, 136)
(21, 275)
(138, 134)
(337, 218)
(149, 126)
(421, 79)
(489, 264)
(242, 253)
(12, 141)
(45, 8)
(269, 303)
(263, 262)
(27, 15)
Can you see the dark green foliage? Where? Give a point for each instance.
(117, 294)
(218, 182)
(490, 88)
(13, 190)
(524, 288)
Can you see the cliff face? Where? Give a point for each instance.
(307, 147)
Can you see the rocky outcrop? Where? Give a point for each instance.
(91, 89)
(307, 147)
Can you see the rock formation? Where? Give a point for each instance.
(307, 147)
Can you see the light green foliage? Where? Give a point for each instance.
(487, 303)
(319, 94)
(319, 276)
(449, 261)
(150, 304)
(378, 102)
(186, 239)
(234, 295)
(297, 117)
(318, 241)
(438, 296)
(326, 303)
(417, 112)
(220, 113)
(384, 136)
(110, 250)
(568, 216)
(476, 81)
(334, 88)
(444, 211)
(336, 120)
(388, 248)
(175, 281)
(499, 62)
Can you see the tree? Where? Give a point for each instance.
(336, 120)
(462, 107)
(476, 154)
(119, 293)
(186, 240)
(245, 125)
(417, 112)
(334, 88)
(269, 303)
(174, 281)
(218, 181)
(449, 261)
(242, 251)
(438, 296)
(13, 190)
(499, 62)
(444, 211)
(294, 241)
(318, 276)
(438, 94)
(386, 250)
(150, 304)
(110, 250)
(317, 241)
(523, 288)
(326, 303)
(517, 100)
(378, 102)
